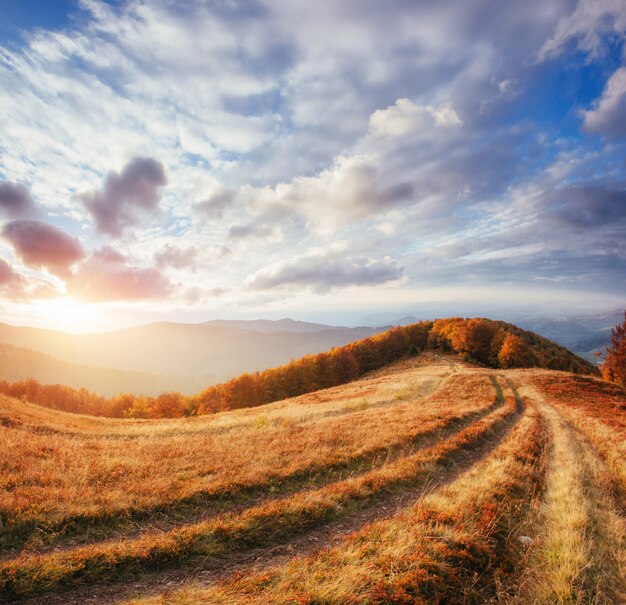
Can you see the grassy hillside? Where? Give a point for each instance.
(432, 480)
(493, 344)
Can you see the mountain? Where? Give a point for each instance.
(269, 326)
(581, 333)
(184, 357)
(205, 352)
(491, 343)
(21, 364)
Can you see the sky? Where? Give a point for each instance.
(320, 160)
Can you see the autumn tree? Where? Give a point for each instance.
(614, 365)
(514, 353)
(478, 338)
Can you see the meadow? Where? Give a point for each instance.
(431, 480)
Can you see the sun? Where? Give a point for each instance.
(69, 315)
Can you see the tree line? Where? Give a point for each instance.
(491, 343)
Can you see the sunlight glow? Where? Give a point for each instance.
(69, 315)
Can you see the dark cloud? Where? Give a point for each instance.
(177, 258)
(107, 254)
(106, 276)
(126, 197)
(249, 231)
(16, 287)
(15, 200)
(38, 244)
(11, 283)
(7, 274)
(584, 206)
(323, 273)
(215, 205)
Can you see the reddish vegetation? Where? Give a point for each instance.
(614, 366)
(492, 343)
(264, 524)
(435, 465)
(597, 399)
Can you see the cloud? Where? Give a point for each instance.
(251, 231)
(216, 203)
(12, 284)
(18, 288)
(126, 197)
(608, 116)
(591, 22)
(177, 258)
(412, 129)
(106, 276)
(195, 295)
(587, 207)
(39, 245)
(346, 192)
(15, 200)
(405, 117)
(325, 270)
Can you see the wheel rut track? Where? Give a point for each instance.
(195, 507)
(596, 550)
(213, 569)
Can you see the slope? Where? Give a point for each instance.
(413, 484)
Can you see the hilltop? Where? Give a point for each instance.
(430, 480)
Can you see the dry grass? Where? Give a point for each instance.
(597, 409)
(579, 557)
(261, 525)
(59, 479)
(445, 549)
(90, 501)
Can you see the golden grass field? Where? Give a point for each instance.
(431, 481)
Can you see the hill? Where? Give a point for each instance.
(491, 343)
(431, 480)
(207, 352)
(582, 333)
(21, 364)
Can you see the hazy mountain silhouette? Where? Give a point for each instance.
(179, 354)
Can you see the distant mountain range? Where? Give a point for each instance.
(270, 326)
(184, 357)
(166, 356)
(17, 363)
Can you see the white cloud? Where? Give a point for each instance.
(405, 117)
(587, 25)
(394, 132)
(322, 270)
(346, 192)
(608, 116)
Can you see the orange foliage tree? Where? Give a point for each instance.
(472, 337)
(515, 353)
(614, 366)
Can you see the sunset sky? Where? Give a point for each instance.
(322, 160)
